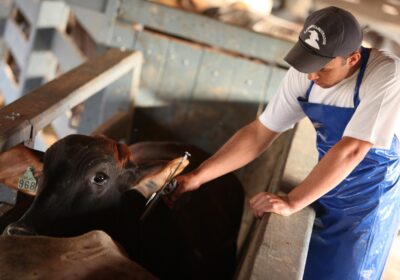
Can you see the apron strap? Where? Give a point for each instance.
(364, 59)
(308, 91)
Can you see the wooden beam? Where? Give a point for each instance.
(22, 119)
(205, 30)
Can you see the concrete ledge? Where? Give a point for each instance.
(282, 253)
(302, 156)
(278, 245)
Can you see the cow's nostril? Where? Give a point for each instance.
(14, 229)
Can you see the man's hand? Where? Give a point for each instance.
(185, 183)
(268, 202)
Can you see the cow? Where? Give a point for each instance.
(90, 183)
(93, 255)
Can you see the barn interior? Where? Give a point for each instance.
(192, 71)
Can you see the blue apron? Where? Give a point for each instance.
(357, 220)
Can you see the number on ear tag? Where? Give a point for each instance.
(27, 182)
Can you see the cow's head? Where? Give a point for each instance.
(83, 181)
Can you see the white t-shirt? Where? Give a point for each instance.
(377, 117)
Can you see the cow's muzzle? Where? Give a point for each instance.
(18, 229)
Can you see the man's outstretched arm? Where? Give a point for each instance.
(244, 146)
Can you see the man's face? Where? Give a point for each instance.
(335, 71)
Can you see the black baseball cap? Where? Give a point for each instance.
(327, 33)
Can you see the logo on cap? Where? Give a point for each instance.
(313, 38)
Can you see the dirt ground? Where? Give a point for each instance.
(392, 270)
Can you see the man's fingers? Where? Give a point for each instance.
(257, 197)
(265, 202)
(260, 199)
(177, 193)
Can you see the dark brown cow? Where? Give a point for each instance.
(88, 184)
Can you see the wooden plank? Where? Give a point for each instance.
(38, 108)
(30, 9)
(41, 64)
(205, 30)
(5, 8)
(53, 14)
(8, 86)
(101, 107)
(215, 77)
(274, 82)
(180, 71)
(249, 81)
(154, 49)
(122, 36)
(90, 118)
(177, 83)
(17, 42)
(2, 26)
(94, 22)
(205, 112)
(110, 13)
(134, 92)
(222, 100)
(3, 49)
(103, 27)
(97, 6)
(67, 53)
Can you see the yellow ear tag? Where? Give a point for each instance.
(27, 182)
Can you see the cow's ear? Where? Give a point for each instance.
(16, 161)
(153, 176)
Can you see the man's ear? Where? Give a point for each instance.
(15, 162)
(354, 58)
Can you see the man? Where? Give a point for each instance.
(352, 96)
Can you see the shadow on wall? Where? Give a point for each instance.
(207, 124)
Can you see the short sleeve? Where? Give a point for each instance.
(284, 110)
(377, 117)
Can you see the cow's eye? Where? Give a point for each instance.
(100, 178)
